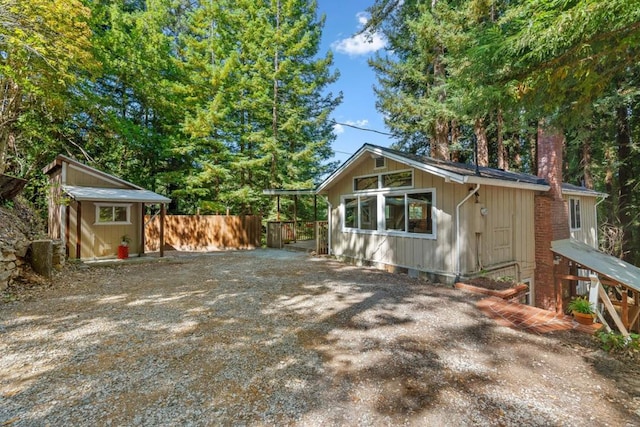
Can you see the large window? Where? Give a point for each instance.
(369, 213)
(113, 214)
(574, 213)
(365, 183)
(410, 213)
(389, 180)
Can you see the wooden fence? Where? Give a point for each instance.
(204, 232)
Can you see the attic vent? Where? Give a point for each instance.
(380, 162)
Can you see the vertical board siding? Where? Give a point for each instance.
(588, 232)
(205, 232)
(506, 233)
(79, 177)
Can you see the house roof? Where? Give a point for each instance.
(116, 195)
(604, 264)
(456, 172)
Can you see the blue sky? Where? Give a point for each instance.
(343, 19)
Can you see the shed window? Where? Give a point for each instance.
(113, 214)
(574, 213)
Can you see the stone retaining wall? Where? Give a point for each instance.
(14, 259)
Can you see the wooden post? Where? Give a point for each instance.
(315, 218)
(78, 229)
(278, 218)
(295, 218)
(67, 223)
(162, 214)
(141, 251)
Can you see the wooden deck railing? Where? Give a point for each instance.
(280, 233)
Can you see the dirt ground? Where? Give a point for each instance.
(269, 337)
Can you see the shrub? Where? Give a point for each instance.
(614, 342)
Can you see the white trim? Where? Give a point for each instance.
(63, 177)
(457, 230)
(381, 224)
(433, 170)
(112, 205)
(495, 182)
(380, 176)
(572, 213)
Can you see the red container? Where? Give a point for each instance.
(123, 252)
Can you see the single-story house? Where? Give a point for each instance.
(449, 220)
(91, 211)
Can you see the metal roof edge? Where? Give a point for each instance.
(496, 182)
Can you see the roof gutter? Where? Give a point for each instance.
(471, 193)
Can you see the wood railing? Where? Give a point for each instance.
(280, 233)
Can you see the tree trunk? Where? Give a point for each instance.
(10, 104)
(455, 138)
(585, 162)
(502, 153)
(625, 176)
(481, 140)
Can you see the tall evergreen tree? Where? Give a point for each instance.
(264, 121)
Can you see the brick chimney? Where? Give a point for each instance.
(551, 220)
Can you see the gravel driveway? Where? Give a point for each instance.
(269, 337)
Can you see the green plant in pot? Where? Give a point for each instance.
(582, 310)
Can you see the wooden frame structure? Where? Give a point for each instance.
(613, 282)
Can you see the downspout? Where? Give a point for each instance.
(471, 193)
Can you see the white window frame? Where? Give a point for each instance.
(380, 176)
(381, 229)
(573, 218)
(112, 206)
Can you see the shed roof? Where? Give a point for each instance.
(117, 195)
(595, 260)
(457, 172)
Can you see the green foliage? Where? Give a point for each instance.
(614, 342)
(580, 305)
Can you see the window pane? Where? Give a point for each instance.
(420, 213)
(105, 214)
(575, 213)
(120, 213)
(369, 213)
(366, 183)
(399, 179)
(394, 212)
(351, 213)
